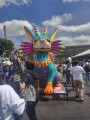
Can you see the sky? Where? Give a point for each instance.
(70, 17)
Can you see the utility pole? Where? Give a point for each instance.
(5, 31)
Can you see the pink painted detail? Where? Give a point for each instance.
(27, 50)
(27, 53)
(55, 52)
(42, 41)
(56, 41)
(55, 44)
(27, 42)
(55, 49)
(25, 45)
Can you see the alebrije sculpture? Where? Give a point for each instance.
(41, 45)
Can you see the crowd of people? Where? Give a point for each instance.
(16, 84)
(76, 73)
(18, 92)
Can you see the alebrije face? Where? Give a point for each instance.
(42, 43)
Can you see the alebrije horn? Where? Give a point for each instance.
(36, 30)
(45, 31)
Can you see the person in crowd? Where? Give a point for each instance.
(77, 72)
(11, 105)
(30, 79)
(56, 64)
(64, 68)
(60, 68)
(68, 75)
(86, 67)
(6, 72)
(15, 83)
(11, 72)
(72, 76)
(1, 70)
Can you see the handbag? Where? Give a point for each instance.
(32, 93)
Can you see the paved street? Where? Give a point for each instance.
(60, 109)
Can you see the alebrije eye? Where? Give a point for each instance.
(35, 40)
(47, 39)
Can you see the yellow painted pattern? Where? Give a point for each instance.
(43, 63)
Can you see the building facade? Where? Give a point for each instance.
(70, 51)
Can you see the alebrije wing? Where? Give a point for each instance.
(27, 48)
(56, 45)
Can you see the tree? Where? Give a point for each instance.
(6, 45)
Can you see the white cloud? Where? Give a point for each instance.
(4, 3)
(70, 1)
(57, 20)
(79, 40)
(64, 1)
(87, 0)
(14, 27)
(78, 35)
(77, 29)
(81, 34)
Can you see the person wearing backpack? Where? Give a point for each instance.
(30, 81)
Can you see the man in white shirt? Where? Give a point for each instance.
(10, 102)
(77, 72)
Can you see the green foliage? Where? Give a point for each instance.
(6, 45)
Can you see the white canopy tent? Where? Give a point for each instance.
(87, 52)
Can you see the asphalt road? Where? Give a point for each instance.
(61, 109)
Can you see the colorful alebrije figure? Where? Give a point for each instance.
(41, 45)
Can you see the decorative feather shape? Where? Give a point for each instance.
(27, 48)
(58, 44)
(55, 46)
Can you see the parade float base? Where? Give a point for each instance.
(61, 91)
(58, 93)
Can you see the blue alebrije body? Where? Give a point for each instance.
(48, 72)
(41, 45)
